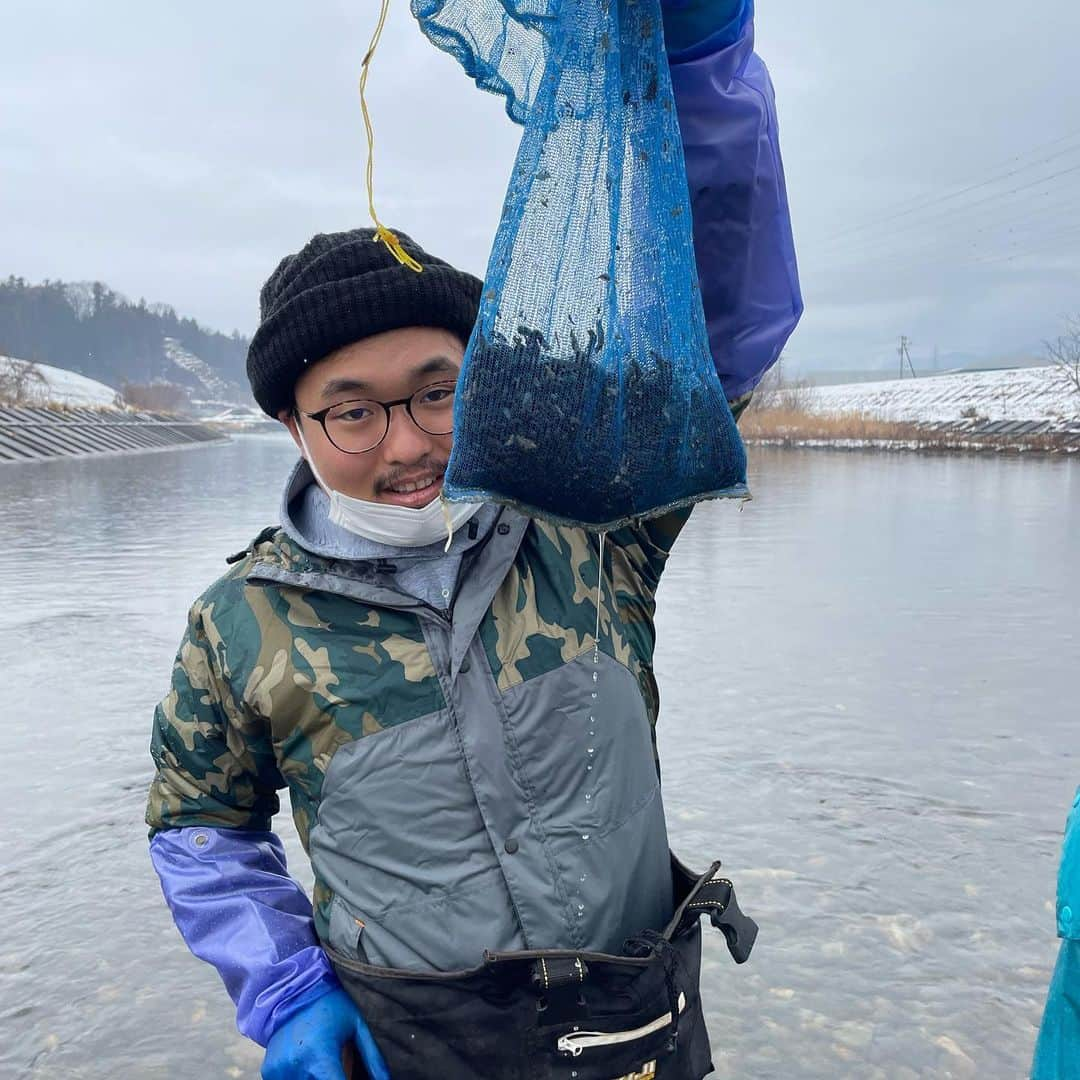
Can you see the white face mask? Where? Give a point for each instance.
(398, 526)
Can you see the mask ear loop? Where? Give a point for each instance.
(310, 461)
(449, 522)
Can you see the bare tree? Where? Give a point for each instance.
(21, 382)
(778, 393)
(1064, 355)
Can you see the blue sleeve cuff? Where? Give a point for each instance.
(286, 1007)
(693, 36)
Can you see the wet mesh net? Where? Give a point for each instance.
(588, 393)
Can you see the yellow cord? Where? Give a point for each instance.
(382, 233)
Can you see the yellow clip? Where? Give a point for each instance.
(382, 233)
(394, 244)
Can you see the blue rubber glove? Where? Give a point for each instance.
(689, 23)
(309, 1045)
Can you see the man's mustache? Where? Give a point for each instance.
(405, 474)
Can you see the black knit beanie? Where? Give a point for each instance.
(340, 288)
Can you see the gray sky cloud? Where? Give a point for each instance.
(178, 152)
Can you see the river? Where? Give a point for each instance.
(868, 677)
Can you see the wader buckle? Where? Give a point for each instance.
(716, 896)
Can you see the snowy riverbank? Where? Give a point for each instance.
(42, 385)
(60, 413)
(1017, 409)
(1036, 394)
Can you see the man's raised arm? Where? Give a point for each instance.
(742, 227)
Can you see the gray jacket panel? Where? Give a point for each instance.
(458, 832)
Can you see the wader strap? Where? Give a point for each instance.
(551, 973)
(715, 896)
(557, 982)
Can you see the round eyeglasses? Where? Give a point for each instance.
(356, 427)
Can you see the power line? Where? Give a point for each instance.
(987, 261)
(958, 261)
(971, 236)
(951, 213)
(990, 217)
(921, 203)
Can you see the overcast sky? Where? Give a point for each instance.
(177, 151)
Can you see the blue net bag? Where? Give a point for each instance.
(588, 393)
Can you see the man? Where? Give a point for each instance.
(471, 768)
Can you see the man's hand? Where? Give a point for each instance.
(310, 1045)
(688, 22)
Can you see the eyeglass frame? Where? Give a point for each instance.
(321, 415)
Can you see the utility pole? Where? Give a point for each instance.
(905, 355)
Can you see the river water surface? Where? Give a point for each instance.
(869, 713)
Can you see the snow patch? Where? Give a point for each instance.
(196, 366)
(62, 387)
(1031, 394)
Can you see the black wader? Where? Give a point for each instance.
(558, 1014)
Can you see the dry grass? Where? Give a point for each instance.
(156, 397)
(784, 426)
(784, 423)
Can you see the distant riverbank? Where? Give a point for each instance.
(855, 431)
(1014, 410)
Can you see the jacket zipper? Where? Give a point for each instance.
(578, 1041)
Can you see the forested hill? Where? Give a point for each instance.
(88, 328)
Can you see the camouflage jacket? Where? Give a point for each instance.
(482, 779)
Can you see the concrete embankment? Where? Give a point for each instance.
(39, 434)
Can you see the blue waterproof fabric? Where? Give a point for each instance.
(700, 27)
(589, 394)
(1057, 1053)
(236, 907)
(742, 224)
